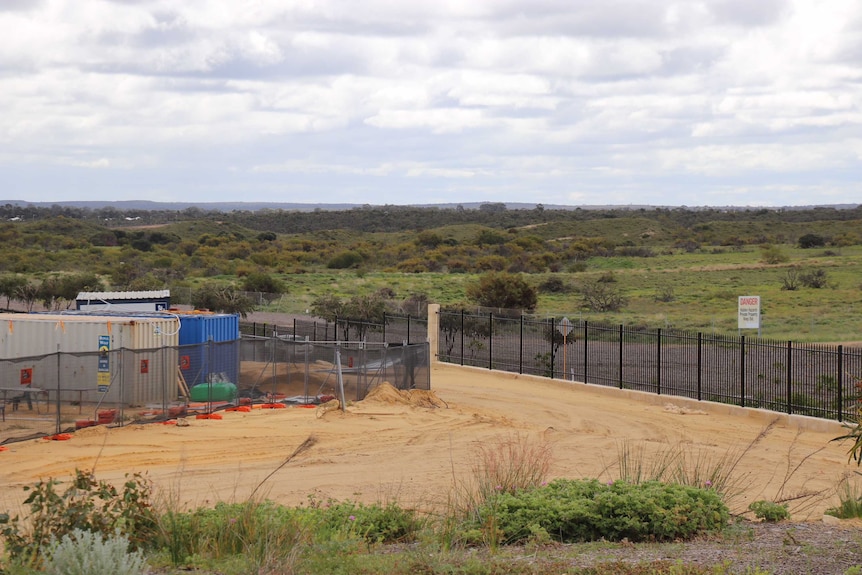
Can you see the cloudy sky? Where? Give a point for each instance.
(575, 102)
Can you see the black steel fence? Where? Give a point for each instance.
(810, 379)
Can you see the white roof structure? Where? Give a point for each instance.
(115, 295)
(156, 300)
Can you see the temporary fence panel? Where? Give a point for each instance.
(283, 367)
(63, 391)
(210, 361)
(393, 329)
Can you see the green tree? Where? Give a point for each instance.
(366, 309)
(9, 286)
(147, 282)
(344, 260)
(503, 290)
(602, 296)
(223, 299)
(327, 307)
(773, 255)
(28, 293)
(56, 291)
(263, 282)
(812, 241)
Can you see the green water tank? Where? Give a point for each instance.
(219, 391)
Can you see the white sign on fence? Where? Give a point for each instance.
(749, 312)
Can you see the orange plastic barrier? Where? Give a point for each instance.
(58, 437)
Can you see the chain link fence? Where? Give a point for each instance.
(55, 394)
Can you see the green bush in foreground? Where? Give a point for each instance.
(84, 504)
(588, 510)
(769, 511)
(373, 523)
(87, 553)
(263, 532)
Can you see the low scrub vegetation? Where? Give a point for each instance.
(683, 268)
(91, 527)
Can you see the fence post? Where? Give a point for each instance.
(491, 340)
(742, 371)
(840, 383)
(658, 363)
(521, 347)
(553, 348)
(384, 327)
(59, 404)
(586, 348)
(789, 376)
(408, 328)
(294, 328)
(462, 337)
(699, 365)
(621, 356)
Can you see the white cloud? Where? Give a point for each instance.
(553, 100)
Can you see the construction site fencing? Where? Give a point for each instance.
(55, 394)
(391, 328)
(817, 380)
(300, 371)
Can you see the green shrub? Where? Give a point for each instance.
(344, 260)
(373, 523)
(263, 282)
(264, 533)
(260, 531)
(86, 553)
(769, 511)
(587, 510)
(850, 497)
(86, 505)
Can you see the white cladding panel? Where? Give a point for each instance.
(27, 335)
(143, 373)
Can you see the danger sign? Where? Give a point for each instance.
(749, 312)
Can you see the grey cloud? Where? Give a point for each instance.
(690, 59)
(749, 12)
(613, 18)
(21, 5)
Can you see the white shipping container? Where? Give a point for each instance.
(132, 343)
(25, 335)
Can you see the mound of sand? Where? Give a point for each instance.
(672, 408)
(387, 394)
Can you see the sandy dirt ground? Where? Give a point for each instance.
(391, 447)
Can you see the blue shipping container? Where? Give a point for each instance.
(209, 348)
(201, 328)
